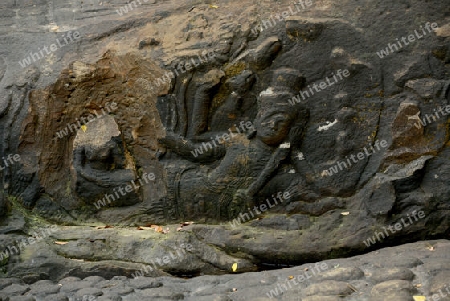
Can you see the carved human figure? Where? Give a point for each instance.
(99, 160)
(239, 167)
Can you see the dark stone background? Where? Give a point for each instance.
(112, 55)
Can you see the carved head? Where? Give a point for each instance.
(275, 115)
(287, 79)
(274, 118)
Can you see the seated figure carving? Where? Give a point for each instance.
(100, 163)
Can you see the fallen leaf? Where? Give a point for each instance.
(144, 228)
(84, 128)
(104, 227)
(61, 242)
(213, 6)
(234, 267)
(419, 298)
(291, 277)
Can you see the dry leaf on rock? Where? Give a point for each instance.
(104, 227)
(234, 267)
(61, 242)
(144, 228)
(186, 223)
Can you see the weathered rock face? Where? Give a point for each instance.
(205, 113)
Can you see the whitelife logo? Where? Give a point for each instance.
(319, 87)
(225, 137)
(124, 9)
(181, 68)
(179, 254)
(84, 120)
(15, 249)
(128, 188)
(440, 294)
(302, 277)
(53, 47)
(282, 16)
(411, 38)
(434, 117)
(243, 217)
(361, 156)
(398, 227)
(11, 159)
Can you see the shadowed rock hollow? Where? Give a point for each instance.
(287, 139)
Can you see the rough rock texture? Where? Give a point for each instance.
(354, 166)
(419, 269)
